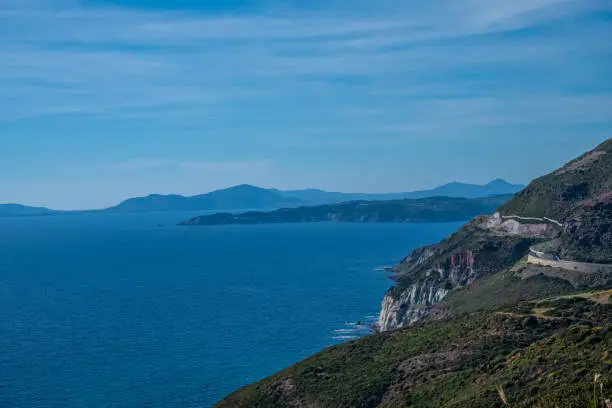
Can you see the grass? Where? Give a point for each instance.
(598, 296)
(517, 336)
(458, 362)
(540, 350)
(548, 246)
(540, 312)
(503, 290)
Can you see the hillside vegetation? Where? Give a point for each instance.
(490, 252)
(588, 235)
(554, 195)
(471, 323)
(545, 362)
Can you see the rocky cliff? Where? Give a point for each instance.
(428, 274)
(414, 302)
(520, 334)
(577, 196)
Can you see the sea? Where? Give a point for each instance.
(129, 311)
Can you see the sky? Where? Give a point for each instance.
(105, 100)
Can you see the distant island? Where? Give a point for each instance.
(256, 198)
(18, 210)
(431, 209)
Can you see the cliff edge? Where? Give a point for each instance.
(571, 207)
(514, 309)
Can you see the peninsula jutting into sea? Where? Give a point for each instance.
(512, 309)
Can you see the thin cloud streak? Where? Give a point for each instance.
(146, 164)
(102, 60)
(227, 166)
(138, 164)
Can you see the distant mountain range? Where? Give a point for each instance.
(455, 189)
(238, 197)
(256, 198)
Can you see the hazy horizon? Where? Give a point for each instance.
(236, 185)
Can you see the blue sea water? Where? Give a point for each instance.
(120, 311)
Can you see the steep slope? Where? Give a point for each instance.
(587, 236)
(541, 354)
(474, 313)
(489, 245)
(434, 209)
(554, 195)
(427, 275)
(238, 197)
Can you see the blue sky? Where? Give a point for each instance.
(103, 100)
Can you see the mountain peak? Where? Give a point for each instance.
(242, 188)
(499, 182)
(245, 186)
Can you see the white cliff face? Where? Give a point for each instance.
(428, 274)
(430, 286)
(416, 300)
(412, 306)
(390, 314)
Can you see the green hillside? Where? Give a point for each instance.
(538, 362)
(479, 325)
(555, 194)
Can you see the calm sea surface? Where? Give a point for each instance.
(122, 311)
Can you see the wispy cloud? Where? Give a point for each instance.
(145, 164)
(324, 85)
(446, 116)
(138, 164)
(226, 166)
(75, 58)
